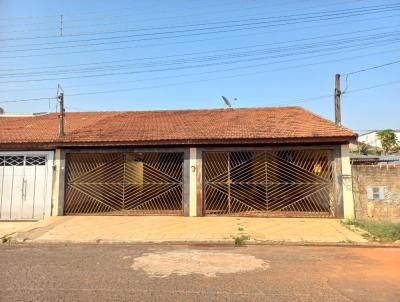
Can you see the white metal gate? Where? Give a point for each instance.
(25, 185)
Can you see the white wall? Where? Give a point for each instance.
(372, 139)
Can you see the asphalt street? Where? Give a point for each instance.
(198, 273)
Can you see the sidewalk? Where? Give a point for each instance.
(143, 229)
(9, 227)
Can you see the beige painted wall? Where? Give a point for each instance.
(193, 182)
(55, 208)
(347, 183)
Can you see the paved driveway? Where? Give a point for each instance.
(187, 229)
(10, 227)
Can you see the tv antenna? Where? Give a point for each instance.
(227, 103)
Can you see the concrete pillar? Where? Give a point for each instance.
(193, 182)
(55, 208)
(347, 183)
(57, 198)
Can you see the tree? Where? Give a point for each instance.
(362, 148)
(388, 140)
(377, 151)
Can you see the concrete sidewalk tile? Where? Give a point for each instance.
(176, 228)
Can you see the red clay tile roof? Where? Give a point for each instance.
(172, 127)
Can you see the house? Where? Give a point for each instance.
(278, 161)
(371, 138)
(360, 159)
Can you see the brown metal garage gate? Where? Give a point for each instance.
(269, 183)
(148, 183)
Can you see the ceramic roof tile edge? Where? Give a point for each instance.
(231, 142)
(338, 135)
(165, 110)
(331, 122)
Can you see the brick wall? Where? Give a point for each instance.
(387, 176)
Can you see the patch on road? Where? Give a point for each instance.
(187, 262)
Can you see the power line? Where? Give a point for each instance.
(366, 69)
(96, 13)
(270, 17)
(229, 70)
(292, 101)
(332, 14)
(221, 11)
(110, 42)
(28, 100)
(373, 67)
(223, 55)
(330, 96)
(373, 86)
(119, 16)
(205, 39)
(107, 49)
(195, 53)
(207, 62)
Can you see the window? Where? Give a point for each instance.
(376, 193)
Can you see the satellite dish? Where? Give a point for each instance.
(2, 111)
(227, 103)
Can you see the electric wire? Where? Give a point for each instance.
(246, 67)
(333, 14)
(293, 101)
(366, 69)
(213, 56)
(193, 53)
(206, 63)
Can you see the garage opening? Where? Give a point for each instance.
(148, 183)
(296, 183)
(25, 185)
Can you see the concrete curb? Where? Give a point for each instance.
(225, 242)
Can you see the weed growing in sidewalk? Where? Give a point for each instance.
(241, 239)
(385, 231)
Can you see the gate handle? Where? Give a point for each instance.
(24, 185)
(22, 189)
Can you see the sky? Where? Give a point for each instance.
(150, 55)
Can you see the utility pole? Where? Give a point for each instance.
(62, 111)
(338, 114)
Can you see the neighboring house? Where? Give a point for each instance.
(371, 138)
(282, 161)
(360, 159)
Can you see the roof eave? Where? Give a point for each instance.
(184, 142)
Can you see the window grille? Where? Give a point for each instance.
(13, 161)
(35, 160)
